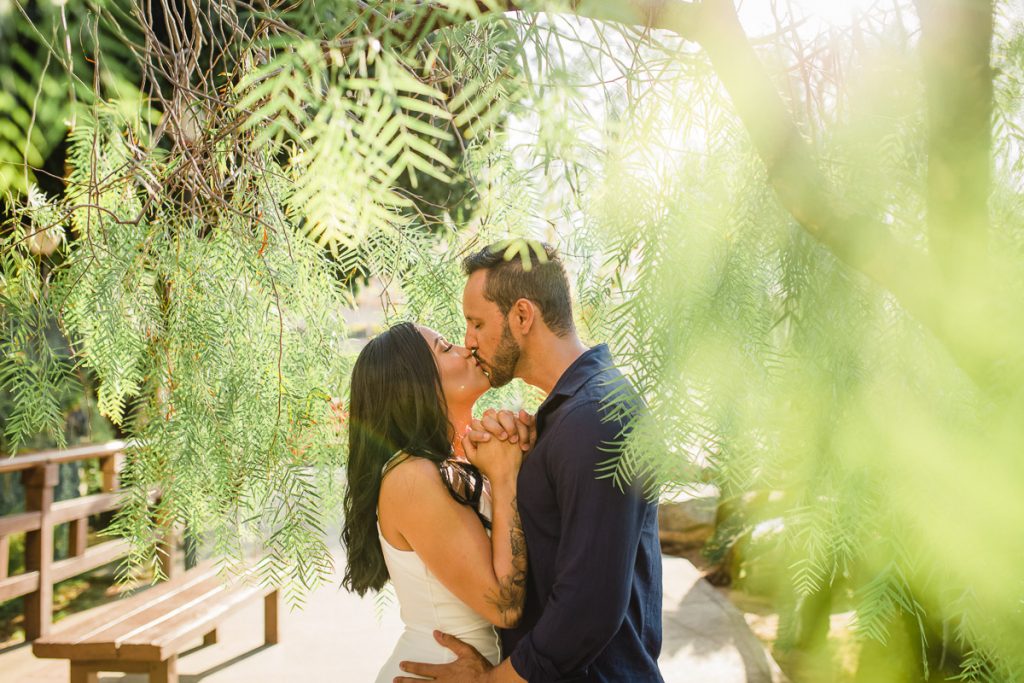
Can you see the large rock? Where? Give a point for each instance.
(687, 522)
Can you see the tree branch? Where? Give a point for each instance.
(859, 241)
(956, 40)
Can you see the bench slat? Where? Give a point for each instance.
(154, 625)
(152, 613)
(171, 636)
(185, 603)
(81, 636)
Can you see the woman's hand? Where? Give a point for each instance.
(496, 444)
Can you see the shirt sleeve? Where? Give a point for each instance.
(600, 533)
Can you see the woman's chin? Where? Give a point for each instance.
(480, 387)
(469, 393)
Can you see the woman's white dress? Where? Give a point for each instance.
(426, 605)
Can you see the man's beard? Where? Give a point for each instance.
(506, 357)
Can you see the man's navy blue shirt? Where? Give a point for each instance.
(593, 598)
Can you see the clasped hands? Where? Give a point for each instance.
(499, 427)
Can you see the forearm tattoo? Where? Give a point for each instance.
(512, 588)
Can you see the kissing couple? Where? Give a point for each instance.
(511, 560)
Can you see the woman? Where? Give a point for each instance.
(418, 514)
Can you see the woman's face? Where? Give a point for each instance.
(462, 379)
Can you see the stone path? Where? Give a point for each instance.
(705, 637)
(338, 637)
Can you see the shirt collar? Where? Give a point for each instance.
(593, 361)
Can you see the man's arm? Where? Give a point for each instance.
(601, 528)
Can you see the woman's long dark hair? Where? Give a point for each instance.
(396, 404)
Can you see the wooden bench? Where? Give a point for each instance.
(146, 632)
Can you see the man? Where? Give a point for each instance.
(593, 594)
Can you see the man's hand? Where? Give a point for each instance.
(527, 425)
(470, 667)
(505, 425)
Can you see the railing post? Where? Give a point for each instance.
(271, 604)
(167, 549)
(5, 555)
(39, 483)
(78, 536)
(111, 467)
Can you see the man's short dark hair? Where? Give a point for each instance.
(545, 283)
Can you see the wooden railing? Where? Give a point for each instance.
(39, 476)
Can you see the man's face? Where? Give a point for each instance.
(488, 334)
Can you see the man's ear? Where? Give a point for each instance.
(523, 316)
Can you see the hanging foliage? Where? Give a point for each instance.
(775, 234)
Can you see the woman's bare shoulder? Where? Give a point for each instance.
(411, 474)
